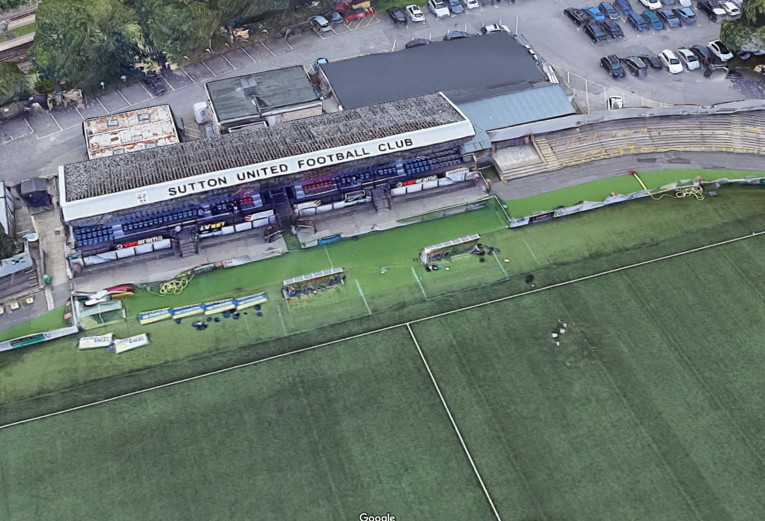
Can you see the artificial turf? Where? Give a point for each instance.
(651, 408)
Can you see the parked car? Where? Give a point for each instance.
(731, 9)
(637, 22)
(689, 59)
(578, 16)
(652, 61)
(685, 3)
(358, 14)
(671, 61)
(438, 8)
(612, 65)
(595, 13)
(703, 53)
(417, 42)
(612, 29)
(414, 13)
(609, 10)
(669, 3)
(669, 18)
(624, 6)
(596, 34)
(455, 6)
(651, 4)
(716, 70)
(495, 28)
(686, 15)
(635, 66)
(11, 110)
(332, 16)
(398, 15)
(653, 20)
(712, 9)
(743, 55)
(456, 35)
(720, 50)
(319, 24)
(470, 4)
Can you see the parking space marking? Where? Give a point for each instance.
(248, 54)
(208, 68)
(269, 50)
(80, 113)
(147, 90)
(123, 97)
(55, 121)
(102, 105)
(228, 61)
(31, 130)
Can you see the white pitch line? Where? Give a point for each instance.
(420, 283)
(499, 263)
(454, 424)
(387, 328)
(331, 264)
(531, 251)
(281, 318)
(369, 310)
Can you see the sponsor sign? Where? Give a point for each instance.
(187, 311)
(138, 242)
(329, 240)
(93, 342)
(210, 227)
(542, 217)
(148, 317)
(249, 301)
(126, 344)
(219, 306)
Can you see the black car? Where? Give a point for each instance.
(612, 28)
(595, 33)
(609, 10)
(456, 35)
(154, 81)
(612, 65)
(710, 8)
(703, 53)
(635, 65)
(669, 18)
(652, 61)
(397, 15)
(578, 16)
(417, 42)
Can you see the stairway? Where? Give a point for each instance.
(281, 205)
(187, 243)
(547, 153)
(381, 198)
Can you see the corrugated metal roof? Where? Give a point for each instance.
(469, 68)
(259, 93)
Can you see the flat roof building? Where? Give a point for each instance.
(130, 131)
(267, 98)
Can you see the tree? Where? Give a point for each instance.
(748, 32)
(12, 82)
(8, 246)
(175, 27)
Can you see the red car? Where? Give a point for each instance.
(358, 14)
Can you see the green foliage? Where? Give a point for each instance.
(12, 82)
(748, 32)
(12, 4)
(8, 246)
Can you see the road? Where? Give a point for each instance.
(37, 145)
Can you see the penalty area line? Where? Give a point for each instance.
(454, 424)
(382, 329)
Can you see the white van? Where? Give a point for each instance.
(438, 8)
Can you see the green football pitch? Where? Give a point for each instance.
(651, 408)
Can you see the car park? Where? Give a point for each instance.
(495, 28)
(414, 13)
(578, 16)
(398, 15)
(609, 10)
(686, 15)
(624, 6)
(456, 35)
(651, 4)
(637, 22)
(470, 4)
(653, 20)
(652, 61)
(712, 9)
(417, 42)
(669, 18)
(671, 61)
(612, 65)
(594, 31)
(689, 59)
(731, 9)
(635, 65)
(455, 6)
(319, 24)
(595, 13)
(612, 29)
(720, 51)
(703, 53)
(438, 8)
